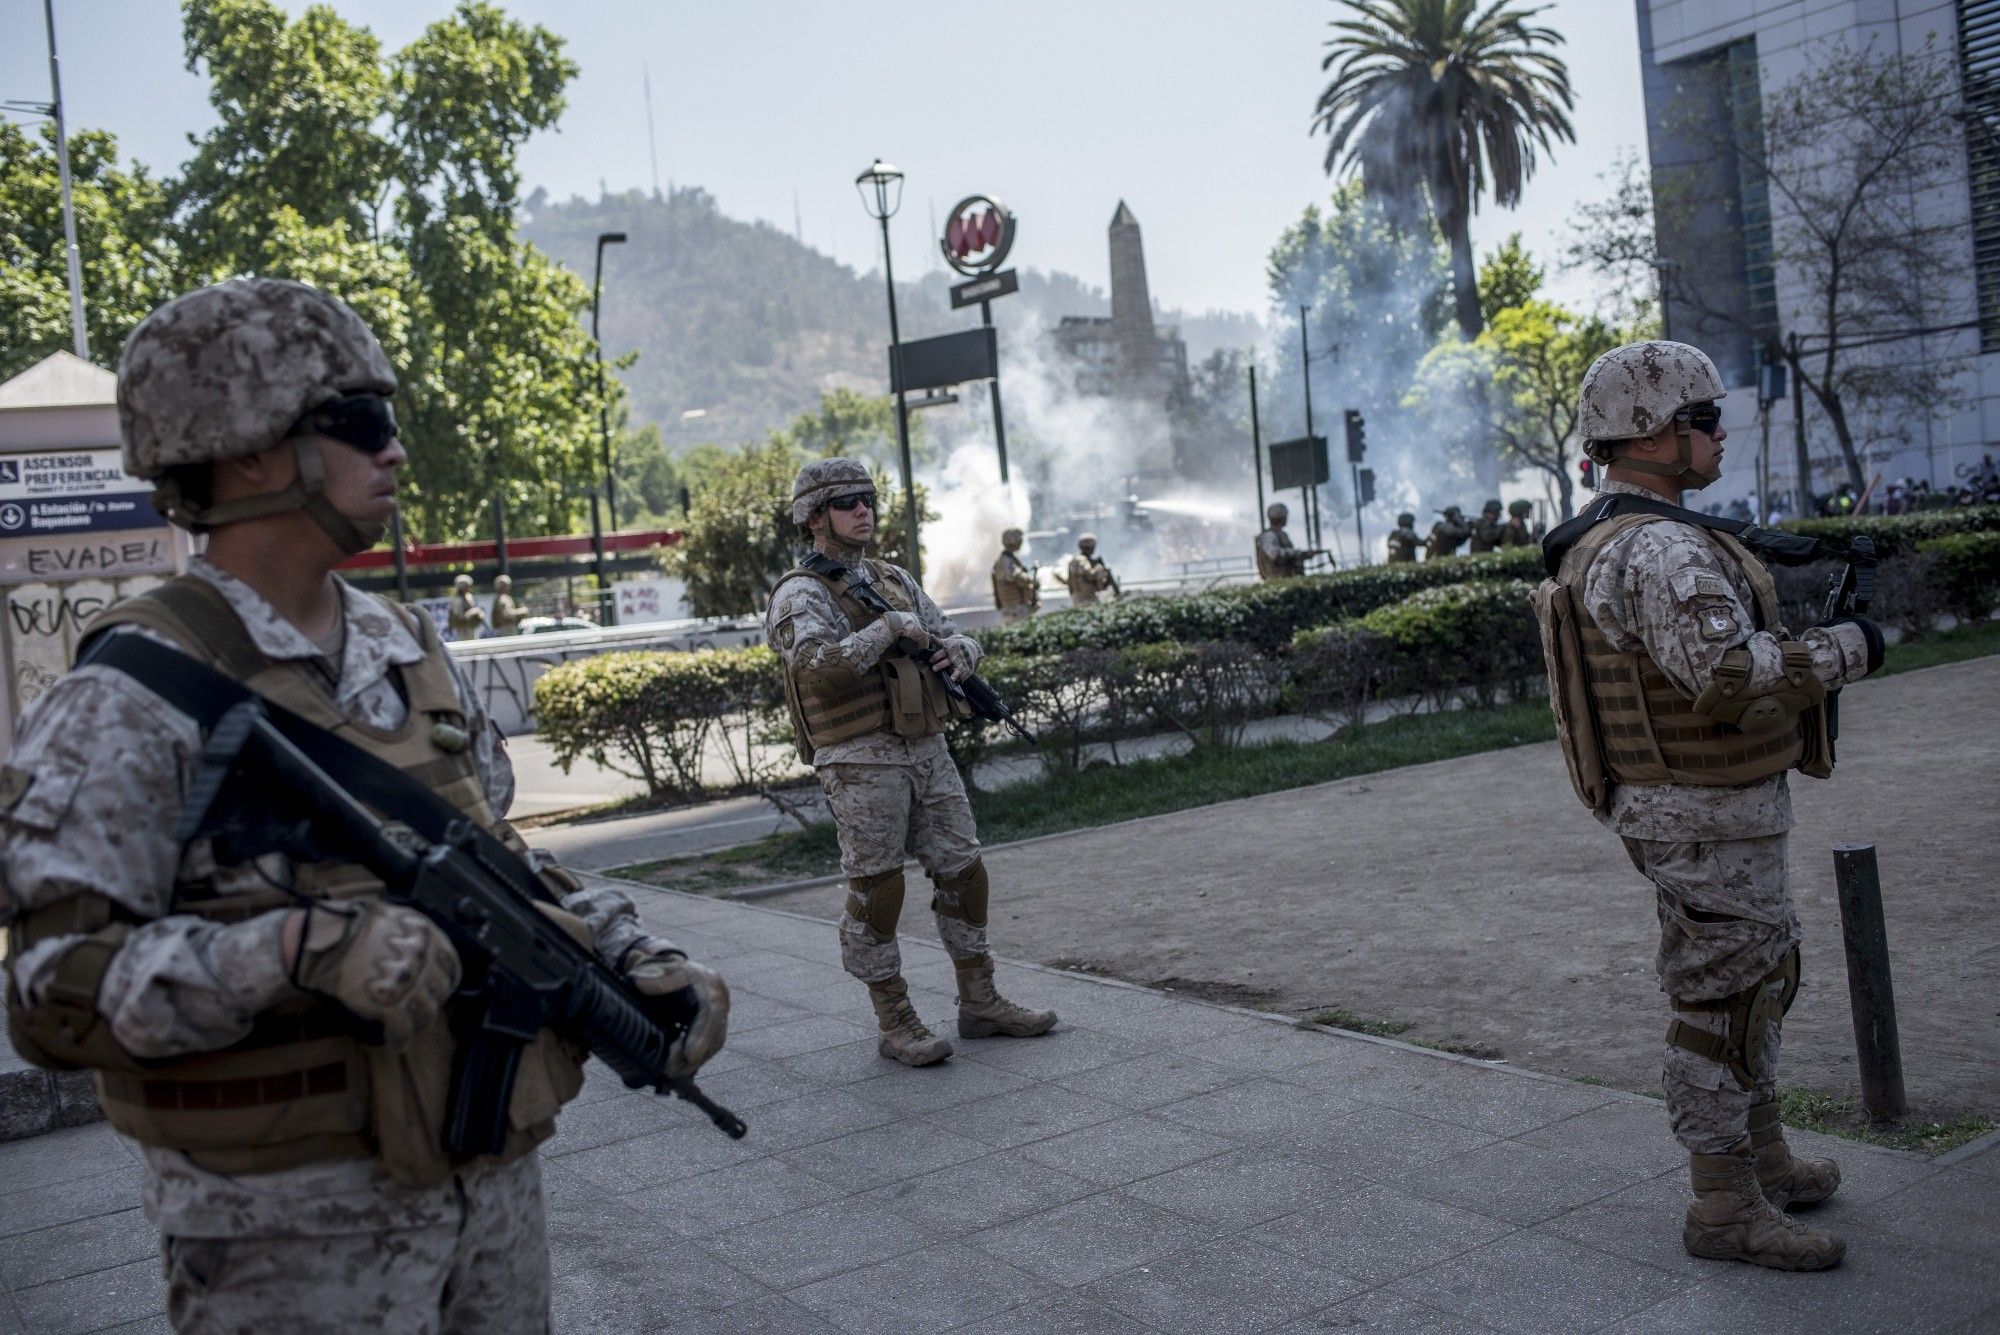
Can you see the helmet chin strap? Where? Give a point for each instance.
(305, 492)
(1681, 470)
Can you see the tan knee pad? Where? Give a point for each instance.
(1750, 1014)
(962, 895)
(877, 901)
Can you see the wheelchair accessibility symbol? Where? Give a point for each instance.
(10, 471)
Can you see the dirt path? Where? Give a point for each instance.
(1477, 902)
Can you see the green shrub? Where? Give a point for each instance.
(1895, 535)
(1967, 571)
(1337, 670)
(1206, 692)
(650, 715)
(1479, 636)
(1265, 615)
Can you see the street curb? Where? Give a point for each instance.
(33, 1101)
(1970, 1149)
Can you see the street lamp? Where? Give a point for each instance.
(881, 188)
(608, 608)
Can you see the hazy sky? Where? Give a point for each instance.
(1194, 111)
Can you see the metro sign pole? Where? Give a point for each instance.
(977, 236)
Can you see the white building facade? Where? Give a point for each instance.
(1708, 61)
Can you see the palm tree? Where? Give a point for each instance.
(1439, 99)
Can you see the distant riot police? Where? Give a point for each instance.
(1087, 575)
(1016, 588)
(1403, 540)
(1486, 528)
(1277, 558)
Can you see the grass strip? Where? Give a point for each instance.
(1835, 1116)
(1943, 646)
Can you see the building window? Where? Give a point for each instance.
(1979, 65)
(1746, 96)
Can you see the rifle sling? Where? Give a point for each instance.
(205, 695)
(1785, 549)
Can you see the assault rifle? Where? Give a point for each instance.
(1098, 561)
(1852, 591)
(984, 701)
(257, 791)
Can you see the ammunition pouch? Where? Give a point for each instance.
(1751, 1013)
(65, 1032)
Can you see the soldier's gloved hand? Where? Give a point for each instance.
(906, 627)
(578, 929)
(381, 961)
(957, 656)
(663, 975)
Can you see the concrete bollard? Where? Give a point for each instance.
(1869, 991)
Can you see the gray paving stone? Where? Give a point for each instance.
(1519, 1183)
(773, 1315)
(1125, 1150)
(1166, 1024)
(1263, 1111)
(978, 1194)
(1269, 1047)
(1885, 1284)
(825, 1115)
(915, 1091)
(1090, 1238)
(1867, 1175)
(939, 1288)
(1541, 1285)
(588, 1227)
(711, 1203)
(1640, 1223)
(77, 1248)
(82, 1197)
(1235, 1191)
(1960, 1213)
(1623, 1134)
(755, 1084)
(1222, 1287)
(811, 1033)
(819, 1241)
(1502, 1103)
(625, 1115)
(1059, 1052)
(679, 1151)
(1382, 1313)
(748, 1011)
(1712, 1311)
(10, 1316)
(884, 1153)
(1064, 1314)
(1986, 1163)
(1017, 1116)
(848, 1064)
(643, 1290)
(53, 1156)
(1377, 1234)
(1353, 1067)
(93, 1301)
(145, 1325)
(1379, 1144)
(1150, 1081)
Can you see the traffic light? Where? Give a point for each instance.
(1357, 436)
(1367, 478)
(1589, 468)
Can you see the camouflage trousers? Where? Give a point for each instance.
(1726, 920)
(883, 814)
(483, 1268)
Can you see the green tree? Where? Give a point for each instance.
(1509, 277)
(1517, 384)
(128, 262)
(1443, 101)
(649, 480)
(1614, 239)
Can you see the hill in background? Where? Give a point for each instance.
(739, 328)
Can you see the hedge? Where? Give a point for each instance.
(1897, 535)
(1966, 571)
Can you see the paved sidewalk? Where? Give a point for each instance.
(1156, 1164)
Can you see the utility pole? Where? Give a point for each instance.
(1305, 375)
(78, 333)
(1803, 500)
(1256, 445)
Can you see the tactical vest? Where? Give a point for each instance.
(898, 694)
(1007, 593)
(1266, 567)
(1622, 720)
(303, 1086)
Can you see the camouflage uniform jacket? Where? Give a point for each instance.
(1672, 592)
(1014, 584)
(1086, 577)
(807, 629)
(1277, 558)
(105, 763)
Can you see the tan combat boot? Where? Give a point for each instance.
(903, 1034)
(983, 1012)
(1785, 1179)
(1729, 1220)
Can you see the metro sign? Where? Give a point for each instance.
(978, 235)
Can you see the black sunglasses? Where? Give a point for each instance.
(1703, 417)
(365, 421)
(852, 501)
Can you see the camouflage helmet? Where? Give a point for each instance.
(1492, 507)
(1453, 512)
(1406, 520)
(226, 370)
(502, 583)
(822, 480)
(462, 583)
(1086, 540)
(1277, 512)
(1631, 392)
(1520, 509)
(1012, 538)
